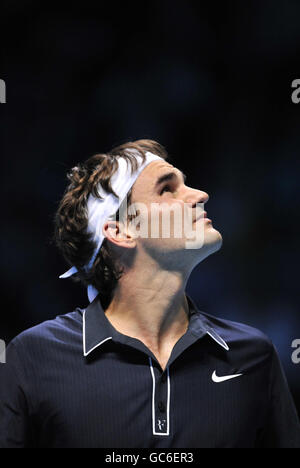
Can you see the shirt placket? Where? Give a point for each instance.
(161, 396)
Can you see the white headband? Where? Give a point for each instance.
(99, 210)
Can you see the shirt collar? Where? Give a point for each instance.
(97, 328)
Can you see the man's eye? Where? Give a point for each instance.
(166, 187)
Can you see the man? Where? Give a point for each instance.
(141, 366)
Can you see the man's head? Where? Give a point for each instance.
(159, 185)
(167, 214)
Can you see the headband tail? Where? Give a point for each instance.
(69, 273)
(92, 292)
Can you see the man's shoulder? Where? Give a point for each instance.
(239, 335)
(60, 329)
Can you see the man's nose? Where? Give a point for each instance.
(196, 196)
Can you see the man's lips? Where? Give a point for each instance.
(203, 215)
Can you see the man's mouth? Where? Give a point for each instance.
(203, 215)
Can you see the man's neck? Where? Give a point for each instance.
(152, 307)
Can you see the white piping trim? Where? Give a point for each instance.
(221, 342)
(153, 403)
(83, 337)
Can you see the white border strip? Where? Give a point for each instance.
(153, 402)
(220, 341)
(83, 337)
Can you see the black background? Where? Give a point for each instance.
(211, 81)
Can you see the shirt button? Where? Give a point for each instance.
(161, 407)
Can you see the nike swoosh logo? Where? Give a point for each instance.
(218, 379)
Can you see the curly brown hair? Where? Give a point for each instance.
(71, 218)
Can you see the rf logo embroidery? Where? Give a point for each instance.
(161, 424)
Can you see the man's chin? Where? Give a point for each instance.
(211, 241)
(216, 241)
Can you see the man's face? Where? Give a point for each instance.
(187, 238)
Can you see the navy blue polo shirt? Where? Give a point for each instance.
(75, 381)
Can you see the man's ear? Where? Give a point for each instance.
(116, 232)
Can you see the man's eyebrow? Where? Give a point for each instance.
(167, 177)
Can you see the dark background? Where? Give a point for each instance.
(211, 82)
